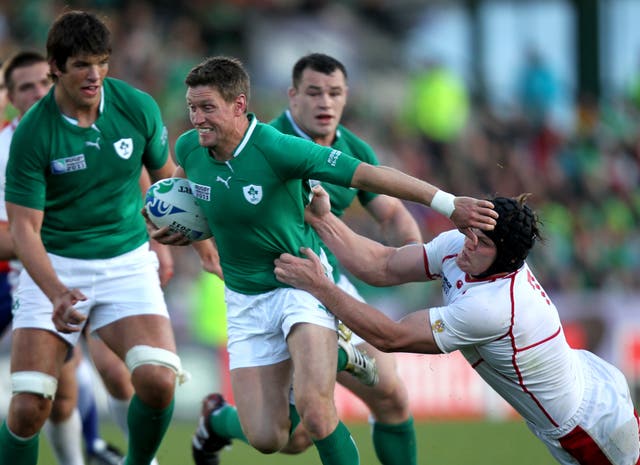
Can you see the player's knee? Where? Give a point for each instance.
(318, 421)
(266, 444)
(34, 382)
(33, 393)
(154, 372)
(298, 442)
(389, 395)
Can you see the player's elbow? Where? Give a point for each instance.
(389, 342)
(401, 339)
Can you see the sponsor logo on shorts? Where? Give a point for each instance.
(68, 164)
(252, 193)
(437, 326)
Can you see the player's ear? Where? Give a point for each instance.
(53, 68)
(241, 104)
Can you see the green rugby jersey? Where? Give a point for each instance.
(341, 197)
(255, 202)
(86, 180)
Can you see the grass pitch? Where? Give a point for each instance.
(446, 442)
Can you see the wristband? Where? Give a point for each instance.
(443, 202)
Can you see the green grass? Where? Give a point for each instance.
(446, 442)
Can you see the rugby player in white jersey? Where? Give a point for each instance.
(496, 314)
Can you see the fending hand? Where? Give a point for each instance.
(473, 213)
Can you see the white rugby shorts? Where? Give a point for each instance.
(115, 288)
(258, 325)
(605, 428)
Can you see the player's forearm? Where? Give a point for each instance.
(350, 248)
(369, 323)
(7, 250)
(31, 252)
(389, 181)
(207, 250)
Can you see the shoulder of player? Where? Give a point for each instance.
(267, 137)
(187, 142)
(124, 94)
(280, 122)
(43, 115)
(355, 146)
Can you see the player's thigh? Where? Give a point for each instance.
(314, 354)
(261, 394)
(128, 286)
(112, 370)
(150, 330)
(37, 357)
(38, 350)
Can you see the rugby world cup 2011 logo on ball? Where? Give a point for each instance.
(170, 202)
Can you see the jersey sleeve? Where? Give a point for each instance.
(26, 169)
(157, 149)
(365, 152)
(470, 320)
(298, 158)
(185, 145)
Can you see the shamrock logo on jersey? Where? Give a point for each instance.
(252, 193)
(124, 147)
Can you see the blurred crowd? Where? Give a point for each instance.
(584, 177)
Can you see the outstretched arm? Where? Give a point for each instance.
(367, 259)
(411, 334)
(465, 212)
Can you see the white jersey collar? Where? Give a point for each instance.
(253, 121)
(100, 110)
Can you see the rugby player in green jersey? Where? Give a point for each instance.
(26, 74)
(317, 98)
(247, 176)
(74, 201)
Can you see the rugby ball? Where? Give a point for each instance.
(170, 202)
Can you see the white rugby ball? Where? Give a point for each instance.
(170, 202)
